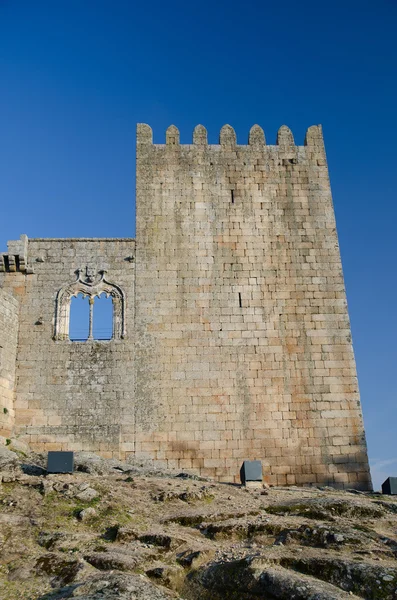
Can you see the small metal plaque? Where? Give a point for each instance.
(390, 486)
(60, 462)
(251, 470)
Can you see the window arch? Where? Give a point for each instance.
(87, 286)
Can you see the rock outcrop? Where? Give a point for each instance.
(123, 530)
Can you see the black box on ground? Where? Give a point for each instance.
(390, 486)
(60, 462)
(251, 470)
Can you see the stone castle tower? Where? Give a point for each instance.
(231, 337)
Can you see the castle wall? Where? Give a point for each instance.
(231, 333)
(8, 353)
(73, 395)
(243, 340)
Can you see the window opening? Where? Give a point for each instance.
(79, 318)
(232, 191)
(103, 318)
(90, 288)
(240, 303)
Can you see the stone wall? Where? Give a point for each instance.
(73, 395)
(243, 338)
(231, 333)
(8, 352)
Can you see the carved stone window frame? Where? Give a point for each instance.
(87, 286)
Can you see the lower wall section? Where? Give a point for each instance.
(303, 463)
(298, 463)
(8, 352)
(195, 381)
(222, 461)
(307, 468)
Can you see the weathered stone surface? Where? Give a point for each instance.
(319, 536)
(238, 289)
(20, 446)
(115, 586)
(186, 496)
(327, 508)
(62, 569)
(233, 546)
(365, 580)
(231, 338)
(9, 462)
(32, 480)
(47, 539)
(9, 324)
(87, 495)
(253, 578)
(157, 539)
(106, 561)
(168, 575)
(126, 534)
(87, 513)
(88, 462)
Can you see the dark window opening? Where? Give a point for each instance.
(232, 192)
(240, 303)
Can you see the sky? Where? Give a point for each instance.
(76, 76)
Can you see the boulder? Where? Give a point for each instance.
(87, 495)
(17, 445)
(88, 462)
(86, 514)
(107, 561)
(9, 464)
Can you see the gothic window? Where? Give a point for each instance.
(105, 300)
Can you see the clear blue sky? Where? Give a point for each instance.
(76, 76)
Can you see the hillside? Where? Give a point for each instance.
(128, 531)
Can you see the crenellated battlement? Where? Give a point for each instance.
(228, 138)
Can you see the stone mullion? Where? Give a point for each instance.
(91, 302)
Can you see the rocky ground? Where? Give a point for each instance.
(119, 530)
